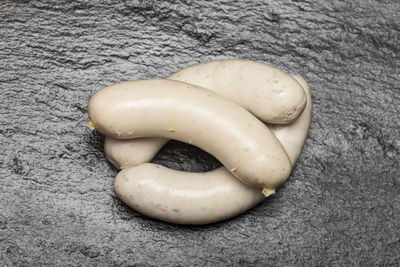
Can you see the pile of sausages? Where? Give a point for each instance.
(252, 117)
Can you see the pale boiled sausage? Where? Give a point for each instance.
(270, 94)
(191, 114)
(199, 198)
(132, 152)
(184, 197)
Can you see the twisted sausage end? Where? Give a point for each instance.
(268, 192)
(91, 125)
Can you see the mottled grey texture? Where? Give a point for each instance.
(341, 205)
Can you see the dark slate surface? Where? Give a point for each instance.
(342, 203)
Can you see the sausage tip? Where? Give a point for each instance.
(91, 125)
(267, 192)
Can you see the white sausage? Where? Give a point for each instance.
(269, 93)
(219, 76)
(181, 111)
(293, 136)
(168, 189)
(136, 151)
(183, 197)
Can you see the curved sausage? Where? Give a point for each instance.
(133, 152)
(191, 114)
(183, 197)
(269, 93)
(244, 74)
(191, 198)
(293, 136)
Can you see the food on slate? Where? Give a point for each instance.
(182, 111)
(191, 114)
(194, 198)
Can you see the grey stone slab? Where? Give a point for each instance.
(341, 205)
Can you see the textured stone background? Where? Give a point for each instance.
(341, 205)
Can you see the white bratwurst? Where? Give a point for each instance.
(191, 114)
(131, 152)
(196, 198)
(294, 135)
(183, 197)
(270, 94)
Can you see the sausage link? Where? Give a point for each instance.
(269, 93)
(198, 198)
(191, 114)
(293, 136)
(243, 86)
(183, 197)
(132, 152)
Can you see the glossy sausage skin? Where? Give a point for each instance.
(191, 114)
